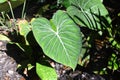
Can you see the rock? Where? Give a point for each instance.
(8, 66)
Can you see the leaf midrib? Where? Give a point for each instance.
(57, 34)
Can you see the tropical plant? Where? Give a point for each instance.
(60, 38)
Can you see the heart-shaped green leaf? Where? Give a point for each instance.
(60, 38)
(89, 13)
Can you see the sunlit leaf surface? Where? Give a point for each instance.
(60, 38)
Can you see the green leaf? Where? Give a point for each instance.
(13, 0)
(45, 72)
(112, 63)
(89, 13)
(61, 41)
(66, 3)
(2, 1)
(5, 7)
(24, 27)
(4, 38)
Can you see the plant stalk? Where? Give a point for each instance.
(11, 9)
(23, 10)
(2, 23)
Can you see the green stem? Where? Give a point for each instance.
(3, 15)
(11, 9)
(23, 10)
(8, 16)
(2, 23)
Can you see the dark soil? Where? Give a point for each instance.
(8, 68)
(8, 65)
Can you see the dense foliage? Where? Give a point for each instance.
(69, 32)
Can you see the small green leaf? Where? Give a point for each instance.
(112, 63)
(116, 66)
(60, 40)
(4, 38)
(24, 27)
(45, 72)
(66, 3)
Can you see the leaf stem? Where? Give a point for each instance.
(23, 10)
(11, 9)
(2, 23)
